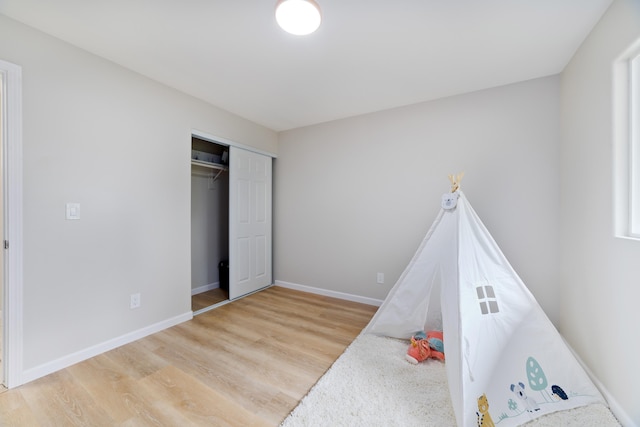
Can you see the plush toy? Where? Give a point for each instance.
(424, 346)
(436, 344)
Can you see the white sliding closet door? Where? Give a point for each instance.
(249, 222)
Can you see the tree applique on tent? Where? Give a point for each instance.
(537, 378)
(537, 381)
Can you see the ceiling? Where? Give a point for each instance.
(368, 55)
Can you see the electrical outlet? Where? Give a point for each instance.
(381, 278)
(73, 211)
(135, 301)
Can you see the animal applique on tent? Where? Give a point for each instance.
(506, 363)
(484, 418)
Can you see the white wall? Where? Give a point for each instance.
(119, 144)
(351, 197)
(600, 272)
(209, 226)
(355, 197)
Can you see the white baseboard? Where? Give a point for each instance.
(204, 288)
(71, 359)
(617, 410)
(328, 293)
(614, 406)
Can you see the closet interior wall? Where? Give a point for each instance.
(209, 225)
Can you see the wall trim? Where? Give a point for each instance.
(329, 293)
(79, 356)
(614, 406)
(624, 191)
(204, 288)
(12, 280)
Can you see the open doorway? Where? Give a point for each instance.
(230, 219)
(209, 224)
(2, 125)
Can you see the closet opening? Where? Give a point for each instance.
(209, 225)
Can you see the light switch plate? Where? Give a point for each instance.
(73, 210)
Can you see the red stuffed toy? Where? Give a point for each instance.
(424, 346)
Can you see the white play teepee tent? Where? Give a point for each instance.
(506, 363)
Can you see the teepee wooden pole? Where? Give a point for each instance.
(455, 181)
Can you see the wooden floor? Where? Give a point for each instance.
(247, 363)
(208, 298)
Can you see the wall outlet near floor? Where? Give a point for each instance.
(135, 301)
(381, 278)
(73, 211)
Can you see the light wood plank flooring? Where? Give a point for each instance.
(208, 298)
(247, 363)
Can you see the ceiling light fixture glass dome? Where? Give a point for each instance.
(299, 17)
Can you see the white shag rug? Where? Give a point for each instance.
(372, 384)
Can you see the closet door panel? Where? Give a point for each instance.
(249, 222)
(261, 256)
(244, 205)
(243, 259)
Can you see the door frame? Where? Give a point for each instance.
(12, 205)
(224, 141)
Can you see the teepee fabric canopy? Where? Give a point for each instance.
(506, 363)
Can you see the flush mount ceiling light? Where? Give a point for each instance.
(299, 17)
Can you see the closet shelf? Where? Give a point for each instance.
(215, 166)
(210, 165)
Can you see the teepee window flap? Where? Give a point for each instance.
(487, 299)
